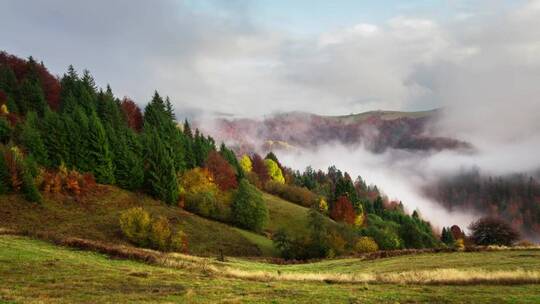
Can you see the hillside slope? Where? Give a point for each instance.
(95, 217)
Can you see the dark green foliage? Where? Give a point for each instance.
(80, 140)
(29, 188)
(108, 109)
(4, 175)
(318, 246)
(55, 137)
(230, 157)
(160, 174)
(5, 130)
(378, 207)
(201, 148)
(447, 237)
(248, 208)
(30, 137)
(31, 97)
(99, 153)
(493, 231)
(128, 165)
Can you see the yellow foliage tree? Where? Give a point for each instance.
(197, 180)
(323, 205)
(245, 163)
(274, 171)
(359, 220)
(366, 244)
(4, 109)
(460, 244)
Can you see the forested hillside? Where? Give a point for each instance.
(62, 136)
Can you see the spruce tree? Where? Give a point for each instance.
(98, 151)
(160, 174)
(31, 138)
(55, 137)
(80, 141)
(32, 97)
(128, 166)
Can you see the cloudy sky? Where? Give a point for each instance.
(258, 57)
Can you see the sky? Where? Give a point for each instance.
(249, 58)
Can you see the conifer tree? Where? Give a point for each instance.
(5, 130)
(128, 167)
(31, 97)
(30, 137)
(230, 157)
(54, 136)
(80, 141)
(187, 129)
(98, 151)
(160, 174)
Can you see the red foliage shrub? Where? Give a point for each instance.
(222, 172)
(343, 211)
(132, 113)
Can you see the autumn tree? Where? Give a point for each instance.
(259, 168)
(132, 114)
(245, 163)
(222, 172)
(343, 211)
(274, 171)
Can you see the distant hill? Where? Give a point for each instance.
(376, 130)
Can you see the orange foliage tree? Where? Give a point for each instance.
(221, 171)
(343, 211)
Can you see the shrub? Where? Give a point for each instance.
(459, 244)
(179, 242)
(248, 208)
(136, 224)
(160, 234)
(299, 195)
(365, 245)
(493, 231)
(140, 229)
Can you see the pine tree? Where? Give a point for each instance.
(128, 166)
(80, 141)
(160, 174)
(31, 138)
(54, 136)
(32, 97)
(187, 129)
(98, 151)
(230, 157)
(5, 130)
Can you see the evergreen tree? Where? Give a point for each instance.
(80, 140)
(378, 207)
(98, 151)
(5, 130)
(31, 138)
(230, 157)
(248, 208)
(55, 137)
(31, 97)
(187, 129)
(128, 166)
(160, 174)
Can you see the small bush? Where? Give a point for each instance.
(135, 224)
(365, 245)
(160, 234)
(140, 229)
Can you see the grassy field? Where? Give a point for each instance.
(96, 218)
(33, 271)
